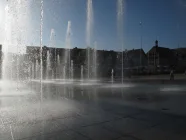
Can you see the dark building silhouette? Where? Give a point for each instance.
(136, 61)
(160, 59)
(157, 60)
(105, 60)
(133, 60)
(180, 58)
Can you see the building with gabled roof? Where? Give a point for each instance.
(160, 59)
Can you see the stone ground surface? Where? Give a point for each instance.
(91, 113)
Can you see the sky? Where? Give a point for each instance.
(161, 19)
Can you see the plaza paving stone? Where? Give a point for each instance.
(102, 125)
(157, 134)
(98, 133)
(94, 116)
(126, 126)
(127, 138)
(65, 135)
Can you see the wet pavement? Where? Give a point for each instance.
(91, 110)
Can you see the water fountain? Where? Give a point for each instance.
(37, 71)
(7, 39)
(30, 71)
(67, 56)
(66, 66)
(64, 72)
(53, 74)
(58, 66)
(33, 71)
(41, 52)
(112, 76)
(15, 35)
(95, 60)
(120, 4)
(82, 73)
(52, 44)
(48, 68)
(39, 107)
(89, 29)
(52, 34)
(72, 69)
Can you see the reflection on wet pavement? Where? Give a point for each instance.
(90, 110)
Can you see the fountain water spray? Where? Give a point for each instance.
(58, 65)
(48, 68)
(29, 70)
(7, 40)
(95, 60)
(37, 72)
(112, 76)
(64, 72)
(33, 71)
(15, 36)
(89, 27)
(52, 33)
(52, 44)
(82, 73)
(72, 69)
(120, 6)
(41, 51)
(58, 60)
(67, 49)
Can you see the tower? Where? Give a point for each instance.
(156, 43)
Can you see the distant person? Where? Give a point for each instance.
(172, 75)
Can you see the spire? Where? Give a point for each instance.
(156, 43)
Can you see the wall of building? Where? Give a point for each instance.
(106, 60)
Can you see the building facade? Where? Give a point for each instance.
(180, 58)
(160, 59)
(101, 62)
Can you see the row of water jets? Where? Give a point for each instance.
(61, 69)
(14, 35)
(89, 31)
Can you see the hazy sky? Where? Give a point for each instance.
(162, 19)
